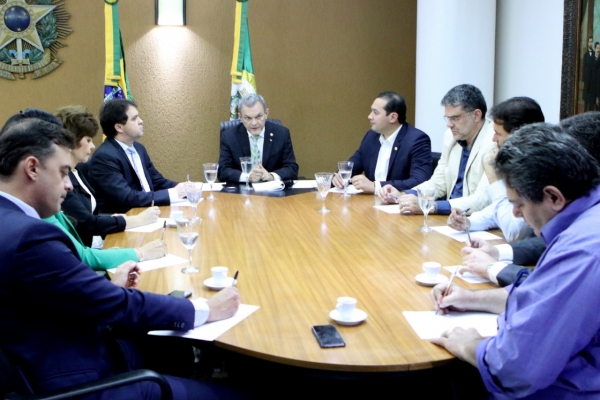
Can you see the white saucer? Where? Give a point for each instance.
(424, 279)
(358, 316)
(211, 283)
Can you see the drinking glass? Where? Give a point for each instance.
(427, 203)
(210, 173)
(345, 171)
(188, 230)
(193, 191)
(324, 184)
(246, 163)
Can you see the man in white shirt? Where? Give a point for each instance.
(507, 116)
(393, 152)
(120, 169)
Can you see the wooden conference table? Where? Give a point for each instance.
(294, 262)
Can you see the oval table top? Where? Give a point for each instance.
(294, 263)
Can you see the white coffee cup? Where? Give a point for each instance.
(432, 269)
(345, 306)
(219, 275)
(176, 214)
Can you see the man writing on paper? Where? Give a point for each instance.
(269, 145)
(502, 263)
(120, 169)
(53, 308)
(392, 152)
(508, 116)
(459, 176)
(547, 342)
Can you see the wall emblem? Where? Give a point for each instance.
(31, 33)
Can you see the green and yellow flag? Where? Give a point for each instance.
(242, 73)
(116, 83)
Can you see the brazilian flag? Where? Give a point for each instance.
(116, 83)
(242, 73)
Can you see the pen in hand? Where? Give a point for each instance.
(235, 278)
(462, 214)
(162, 237)
(447, 289)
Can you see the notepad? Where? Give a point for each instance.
(350, 190)
(273, 186)
(461, 236)
(149, 227)
(212, 330)
(166, 261)
(467, 276)
(429, 326)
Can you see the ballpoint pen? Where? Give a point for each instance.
(235, 278)
(162, 237)
(447, 288)
(462, 214)
(152, 205)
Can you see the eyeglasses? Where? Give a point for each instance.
(456, 118)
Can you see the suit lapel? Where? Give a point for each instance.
(243, 141)
(143, 155)
(476, 146)
(396, 147)
(267, 144)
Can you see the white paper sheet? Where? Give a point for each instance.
(216, 187)
(390, 208)
(430, 326)
(305, 184)
(150, 227)
(163, 262)
(212, 330)
(467, 276)
(461, 236)
(273, 186)
(182, 203)
(351, 190)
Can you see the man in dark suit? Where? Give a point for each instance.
(589, 78)
(269, 145)
(392, 152)
(53, 308)
(120, 169)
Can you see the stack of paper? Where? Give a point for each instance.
(430, 326)
(273, 186)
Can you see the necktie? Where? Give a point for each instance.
(137, 166)
(255, 152)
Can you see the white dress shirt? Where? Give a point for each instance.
(173, 196)
(260, 143)
(383, 158)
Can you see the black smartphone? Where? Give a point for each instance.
(328, 336)
(181, 294)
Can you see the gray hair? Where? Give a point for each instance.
(540, 155)
(250, 100)
(467, 96)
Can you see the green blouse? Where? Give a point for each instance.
(95, 258)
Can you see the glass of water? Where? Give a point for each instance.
(193, 192)
(246, 163)
(210, 173)
(324, 184)
(345, 171)
(188, 230)
(427, 203)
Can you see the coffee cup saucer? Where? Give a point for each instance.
(210, 282)
(425, 280)
(357, 317)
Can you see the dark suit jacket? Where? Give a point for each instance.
(525, 252)
(53, 307)
(277, 154)
(410, 162)
(78, 205)
(118, 187)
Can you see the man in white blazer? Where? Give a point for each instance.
(459, 177)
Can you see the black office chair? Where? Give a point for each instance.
(435, 158)
(235, 122)
(13, 386)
